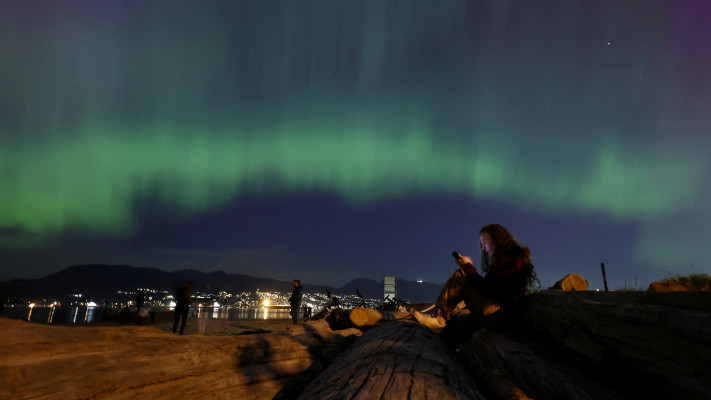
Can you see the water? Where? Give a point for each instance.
(50, 315)
(247, 313)
(72, 315)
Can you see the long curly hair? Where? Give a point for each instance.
(506, 245)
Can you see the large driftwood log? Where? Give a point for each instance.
(368, 317)
(513, 371)
(322, 341)
(571, 282)
(126, 362)
(628, 340)
(399, 360)
(622, 345)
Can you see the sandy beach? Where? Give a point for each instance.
(225, 327)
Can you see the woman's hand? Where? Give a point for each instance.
(466, 264)
(464, 260)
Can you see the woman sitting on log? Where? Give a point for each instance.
(508, 275)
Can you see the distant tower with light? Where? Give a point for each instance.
(389, 287)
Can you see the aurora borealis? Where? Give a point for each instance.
(329, 140)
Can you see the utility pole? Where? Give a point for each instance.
(604, 277)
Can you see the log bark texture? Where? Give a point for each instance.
(637, 344)
(513, 371)
(582, 345)
(369, 317)
(127, 362)
(567, 345)
(571, 282)
(399, 360)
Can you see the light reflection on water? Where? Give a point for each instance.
(51, 315)
(54, 314)
(250, 313)
(59, 314)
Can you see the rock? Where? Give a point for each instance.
(398, 360)
(574, 282)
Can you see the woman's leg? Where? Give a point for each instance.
(457, 290)
(453, 293)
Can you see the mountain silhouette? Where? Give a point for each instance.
(99, 282)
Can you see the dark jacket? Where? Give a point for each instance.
(295, 299)
(507, 279)
(182, 303)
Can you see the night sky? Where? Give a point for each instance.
(331, 140)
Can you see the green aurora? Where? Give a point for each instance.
(196, 105)
(90, 182)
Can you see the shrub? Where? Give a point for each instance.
(693, 281)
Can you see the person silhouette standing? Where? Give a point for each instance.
(140, 299)
(295, 301)
(182, 306)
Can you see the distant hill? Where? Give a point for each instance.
(98, 281)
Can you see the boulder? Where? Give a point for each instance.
(573, 282)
